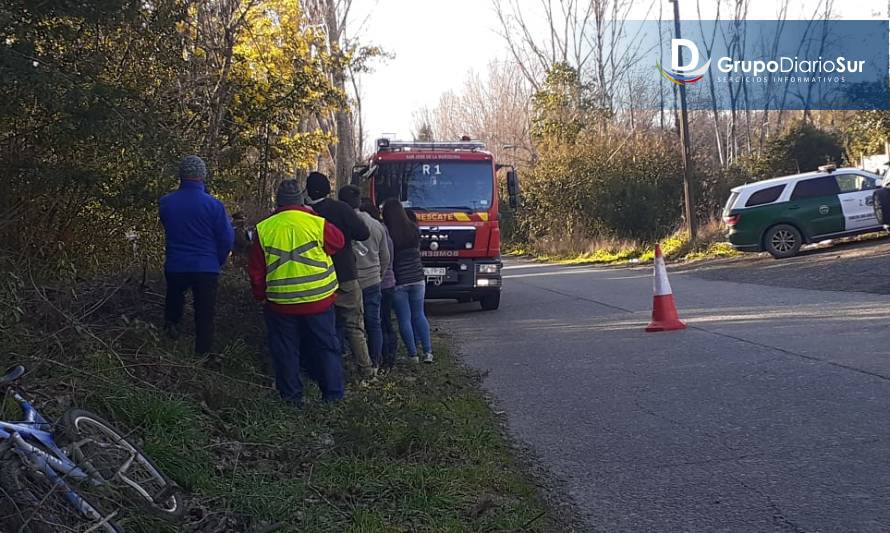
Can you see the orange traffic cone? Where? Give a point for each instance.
(664, 312)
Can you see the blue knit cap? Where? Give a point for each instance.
(192, 168)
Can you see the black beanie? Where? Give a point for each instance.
(317, 186)
(350, 194)
(288, 193)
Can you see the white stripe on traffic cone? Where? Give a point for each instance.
(662, 286)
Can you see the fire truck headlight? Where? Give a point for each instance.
(468, 246)
(487, 269)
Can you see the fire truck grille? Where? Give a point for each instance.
(435, 238)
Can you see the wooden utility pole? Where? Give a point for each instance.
(685, 142)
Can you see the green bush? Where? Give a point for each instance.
(866, 133)
(714, 185)
(100, 100)
(593, 180)
(592, 190)
(802, 148)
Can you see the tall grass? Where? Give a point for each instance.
(418, 450)
(576, 249)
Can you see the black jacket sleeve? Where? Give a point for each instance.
(355, 228)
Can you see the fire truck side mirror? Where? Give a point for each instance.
(513, 188)
(358, 171)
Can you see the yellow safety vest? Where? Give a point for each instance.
(298, 270)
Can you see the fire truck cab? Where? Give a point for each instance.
(452, 189)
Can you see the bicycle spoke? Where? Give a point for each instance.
(47, 489)
(120, 464)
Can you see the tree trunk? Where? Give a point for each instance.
(344, 155)
(345, 147)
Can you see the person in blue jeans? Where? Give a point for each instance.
(410, 286)
(291, 269)
(372, 260)
(387, 293)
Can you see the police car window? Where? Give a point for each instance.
(765, 196)
(815, 187)
(853, 183)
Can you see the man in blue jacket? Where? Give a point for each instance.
(199, 237)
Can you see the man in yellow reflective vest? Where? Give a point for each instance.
(291, 269)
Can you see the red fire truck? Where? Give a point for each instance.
(452, 188)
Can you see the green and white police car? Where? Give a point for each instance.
(781, 214)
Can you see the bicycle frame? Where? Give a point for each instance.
(55, 464)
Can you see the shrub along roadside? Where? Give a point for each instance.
(676, 246)
(418, 450)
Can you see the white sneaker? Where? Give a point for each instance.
(414, 359)
(428, 357)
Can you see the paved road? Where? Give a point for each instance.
(771, 413)
(851, 266)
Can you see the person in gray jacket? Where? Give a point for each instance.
(388, 289)
(373, 259)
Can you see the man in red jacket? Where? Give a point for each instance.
(291, 269)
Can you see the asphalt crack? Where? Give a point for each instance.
(793, 353)
(582, 298)
(779, 516)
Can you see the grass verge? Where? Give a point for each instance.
(417, 450)
(677, 247)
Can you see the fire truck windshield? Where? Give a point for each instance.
(437, 184)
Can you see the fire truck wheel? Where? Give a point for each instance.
(490, 302)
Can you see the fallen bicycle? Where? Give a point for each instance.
(79, 484)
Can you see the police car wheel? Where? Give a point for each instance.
(782, 240)
(881, 204)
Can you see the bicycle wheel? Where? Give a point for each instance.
(34, 503)
(104, 453)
